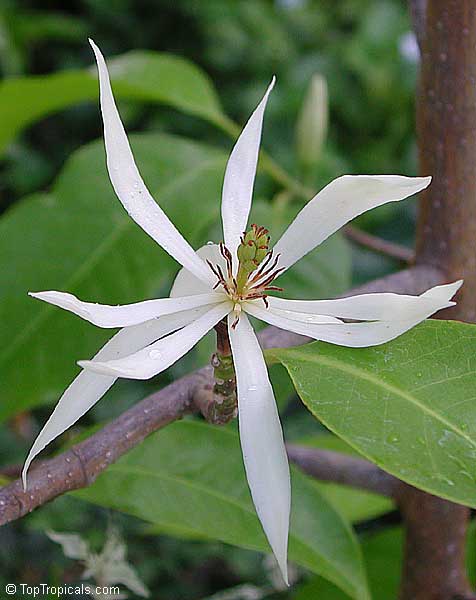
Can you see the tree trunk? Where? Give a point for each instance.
(435, 542)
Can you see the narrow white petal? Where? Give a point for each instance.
(186, 284)
(240, 176)
(103, 315)
(261, 437)
(338, 203)
(364, 307)
(359, 335)
(88, 387)
(303, 317)
(130, 188)
(157, 357)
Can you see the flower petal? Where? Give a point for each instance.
(261, 437)
(157, 357)
(359, 335)
(88, 388)
(364, 307)
(130, 188)
(103, 315)
(303, 317)
(186, 284)
(240, 176)
(338, 203)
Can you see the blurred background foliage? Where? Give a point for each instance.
(368, 56)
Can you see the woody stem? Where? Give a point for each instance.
(219, 403)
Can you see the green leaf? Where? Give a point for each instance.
(356, 505)
(409, 405)
(79, 239)
(189, 481)
(383, 559)
(139, 75)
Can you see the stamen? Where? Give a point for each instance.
(265, 262)
(257, 269)
(228, 258)
(267, 271)
(237, 311)
(222, 277)
(270, 278)
(216, 269)
(212, 267)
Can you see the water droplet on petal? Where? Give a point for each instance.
(155, 354)
(252, 388)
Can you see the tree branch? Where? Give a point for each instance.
(379, 245)
(435, 547)
(435, 529)
(327, 465)
(79, 466)
(446, 127)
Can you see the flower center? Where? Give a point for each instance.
(257, 269)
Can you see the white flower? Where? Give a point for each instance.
(107, 568)
(214, 285)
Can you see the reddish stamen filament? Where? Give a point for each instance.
(257, 284)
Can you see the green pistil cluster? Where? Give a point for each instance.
(251, 253)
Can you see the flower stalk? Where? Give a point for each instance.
(224, 404)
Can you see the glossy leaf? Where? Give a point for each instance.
(191, 464)
(408, 405)
(383, 560)
(137, 75)
(79, 239)
(356, 505)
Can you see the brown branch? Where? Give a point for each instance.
(446, 121)
(435, 529)
(435, 547)
(379, 245)
(79, 466)
(327, 465)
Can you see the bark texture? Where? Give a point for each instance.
(435, 543)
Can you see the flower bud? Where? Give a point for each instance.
(311, 126)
